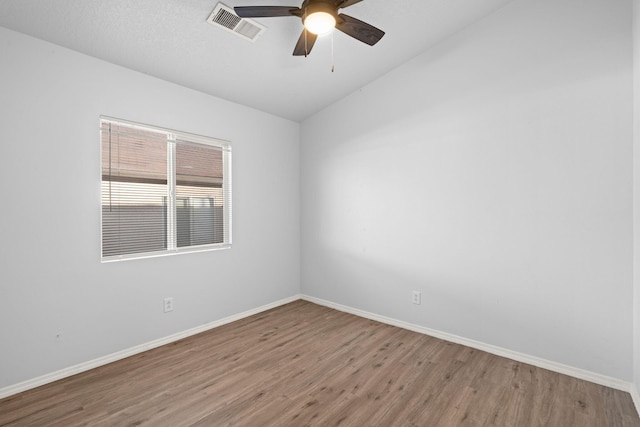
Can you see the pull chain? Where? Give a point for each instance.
(332, 60)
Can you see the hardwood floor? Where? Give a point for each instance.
(303, 364)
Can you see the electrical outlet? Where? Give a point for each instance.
(416, 297)
(168, 305)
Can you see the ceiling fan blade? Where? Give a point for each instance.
(359, 30)
(266, 11)
(305, 43)
(341, 4)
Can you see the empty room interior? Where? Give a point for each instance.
(430, 218)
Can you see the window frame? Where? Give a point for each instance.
(173, 136)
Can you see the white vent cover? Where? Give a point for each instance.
(224, 17)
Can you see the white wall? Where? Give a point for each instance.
(51, 278)
(636, 192)
(494, 174)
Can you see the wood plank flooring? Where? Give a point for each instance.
(306, 365)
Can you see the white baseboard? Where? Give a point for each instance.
(635, 397)
(535, 361)
(113, 357)
(499, 351)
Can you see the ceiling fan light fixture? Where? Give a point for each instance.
(320, 22)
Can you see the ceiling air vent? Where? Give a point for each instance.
(224, 17)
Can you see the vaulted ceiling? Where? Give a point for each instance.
(171, 40)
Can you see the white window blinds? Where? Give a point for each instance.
(162, 191)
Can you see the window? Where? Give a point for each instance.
(162, 191)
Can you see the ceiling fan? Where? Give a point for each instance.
(318, 17)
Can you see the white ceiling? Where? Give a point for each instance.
(171, 40)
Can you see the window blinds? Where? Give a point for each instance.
(199, 194)
(162, 191)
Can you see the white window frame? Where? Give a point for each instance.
(172, 136)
